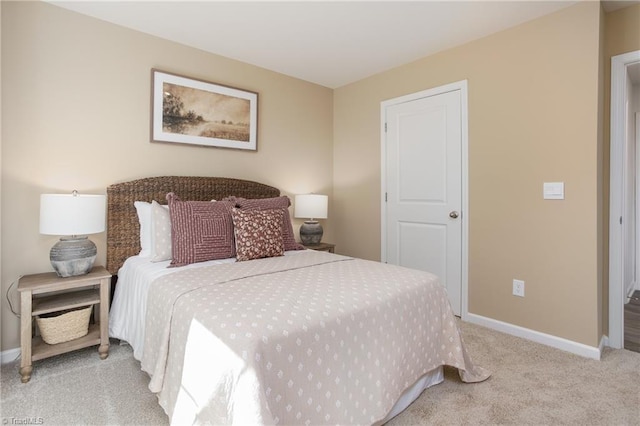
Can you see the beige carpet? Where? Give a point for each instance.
(531, 384)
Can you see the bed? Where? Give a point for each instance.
(271, 334)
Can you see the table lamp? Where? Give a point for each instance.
(311, 207)
(72, 216)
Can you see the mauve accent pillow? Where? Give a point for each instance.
(258, 233)
(200, 230)
(282, 203)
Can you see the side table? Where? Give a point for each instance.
(322, 247)
(80, 291)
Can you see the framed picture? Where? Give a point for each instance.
(190, 111)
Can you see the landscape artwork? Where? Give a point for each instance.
(197, 112)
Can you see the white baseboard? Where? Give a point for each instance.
(9, 355)
(603, 342)
(538, 337)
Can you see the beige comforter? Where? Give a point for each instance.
(311, 338)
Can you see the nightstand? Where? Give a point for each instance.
(41, 294)
(322, 247)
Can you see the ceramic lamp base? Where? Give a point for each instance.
(73, 256)
(311, 232)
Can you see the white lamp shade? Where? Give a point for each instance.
(311, 206)
(72, 214)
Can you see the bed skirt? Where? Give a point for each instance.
(432, 378)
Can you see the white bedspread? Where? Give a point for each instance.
(313, 338)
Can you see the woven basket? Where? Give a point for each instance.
(65, 325)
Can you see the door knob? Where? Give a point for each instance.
(453, 215)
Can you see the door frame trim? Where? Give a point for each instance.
(617, 298)
(462, 86)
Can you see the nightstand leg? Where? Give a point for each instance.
(103, 350)
(25, 372)
(25, 336)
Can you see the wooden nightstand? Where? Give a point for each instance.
(322, 247)
(86, 290)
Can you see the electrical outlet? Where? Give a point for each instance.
(518, 288)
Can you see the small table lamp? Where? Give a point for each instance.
(311, 207)
(74, 216)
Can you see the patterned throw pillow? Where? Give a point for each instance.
(200, 230)
(258, 233)
(281, 203)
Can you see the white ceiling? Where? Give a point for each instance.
(330, 43)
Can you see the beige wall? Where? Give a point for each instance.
(622, 35)
(533, 117)
(622, 30)
(600, 233)
(76, 96)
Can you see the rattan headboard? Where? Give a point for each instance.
(123, 228)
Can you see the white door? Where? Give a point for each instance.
(423, 209)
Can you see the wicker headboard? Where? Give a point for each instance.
(123, 228)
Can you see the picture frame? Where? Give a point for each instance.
(197, 112)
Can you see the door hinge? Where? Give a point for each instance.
(620, 220)
(385, 197)
(385, 127)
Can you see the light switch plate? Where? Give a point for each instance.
(553, 191)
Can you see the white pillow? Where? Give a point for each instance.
(144, 217)
(160, 232)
